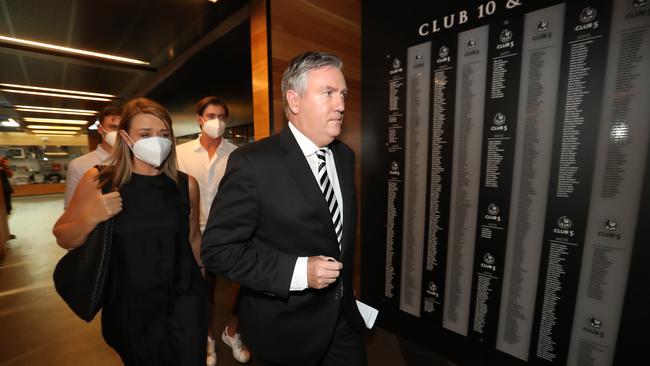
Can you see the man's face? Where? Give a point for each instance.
(213, 111)
(109, 123)
(318, 113)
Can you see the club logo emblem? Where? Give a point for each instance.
(394, 166)
(432, 288)
(499, 119)
(595, 322)
(493, 209)
(564, 223)
(506, 35)
(443, 52)
(610, 225)
(542, 26)
(588, 14)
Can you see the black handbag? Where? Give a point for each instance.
(80, 276)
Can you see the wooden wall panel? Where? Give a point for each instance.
(260, 70)
(332, 26)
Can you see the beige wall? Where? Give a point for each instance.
(25, 139)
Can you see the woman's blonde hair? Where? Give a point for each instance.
(121, 163)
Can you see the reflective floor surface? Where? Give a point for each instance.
(37, 328)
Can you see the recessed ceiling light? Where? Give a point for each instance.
(54, 112)
(47, 127)
(49, 134)
(56, 120)
(57, 109)
(10, 122)
(55, 132)
(33, 108)
(55, 95)
(30, 87)
(74, 51)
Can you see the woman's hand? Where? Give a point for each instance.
(87, 209)
(106, 206)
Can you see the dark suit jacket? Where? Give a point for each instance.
(269, 211)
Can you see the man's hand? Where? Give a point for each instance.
(322, 271)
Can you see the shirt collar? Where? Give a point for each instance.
(307, 146)
(196, 144)
(101, 153)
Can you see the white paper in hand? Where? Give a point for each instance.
(368, 313)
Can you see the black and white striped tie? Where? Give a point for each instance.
(328, 192)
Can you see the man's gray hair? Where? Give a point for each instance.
(295, 76)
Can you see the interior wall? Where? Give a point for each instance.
(25, 139)
(222, 69)
(332, 26)
(415, 160)
(299, 26)
(260, 69)
(280, 30)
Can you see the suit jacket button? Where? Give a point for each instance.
(338, 293)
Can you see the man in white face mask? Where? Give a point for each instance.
(205, 159)
(109, 122)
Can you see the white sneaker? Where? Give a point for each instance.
(211, 359)
(239, 350)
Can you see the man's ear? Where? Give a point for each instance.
(293, 101)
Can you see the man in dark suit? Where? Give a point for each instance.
(283, 225)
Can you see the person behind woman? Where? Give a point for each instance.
(7, 190)
(155, 308)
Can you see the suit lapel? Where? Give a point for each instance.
(301, 172)
(347, 192)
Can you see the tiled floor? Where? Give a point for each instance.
(37, 328)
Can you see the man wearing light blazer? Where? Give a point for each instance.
(283, 225)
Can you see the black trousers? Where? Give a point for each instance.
(345, 349)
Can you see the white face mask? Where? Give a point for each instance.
(214, 128)
(151, 150)
(110, 137)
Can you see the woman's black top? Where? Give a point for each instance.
(156, 303)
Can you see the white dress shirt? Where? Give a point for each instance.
(193, 160)
(78, 167)
(299, 279)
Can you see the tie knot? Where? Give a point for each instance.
(322, 153)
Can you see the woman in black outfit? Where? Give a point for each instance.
(155, 310)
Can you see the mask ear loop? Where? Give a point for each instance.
(132, 142)
(127, 135)
(203, 123)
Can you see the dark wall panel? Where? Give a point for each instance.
(504, 178)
